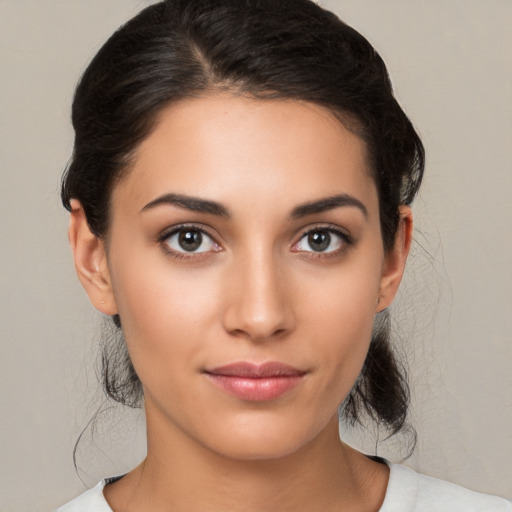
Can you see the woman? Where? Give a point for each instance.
(239, 195)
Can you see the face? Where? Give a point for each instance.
(246, 262)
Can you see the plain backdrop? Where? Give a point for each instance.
(451, 65)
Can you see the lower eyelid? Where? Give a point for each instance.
(345, 241)
(344, 237)
(211, 242)
(182, 254)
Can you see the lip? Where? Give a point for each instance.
(256, 382)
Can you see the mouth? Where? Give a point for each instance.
(254, 382)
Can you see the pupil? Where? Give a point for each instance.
(190, 240)
(319, 240)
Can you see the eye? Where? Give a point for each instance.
(322, 240)
(189, 240)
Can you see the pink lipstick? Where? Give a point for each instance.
(254, 382)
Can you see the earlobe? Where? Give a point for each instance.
(90, 261)
(395, 260)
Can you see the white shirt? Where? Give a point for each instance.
(407, 491)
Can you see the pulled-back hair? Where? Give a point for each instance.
(267, 49)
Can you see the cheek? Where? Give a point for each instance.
(343, 330)
(339, 316)
(165, 313)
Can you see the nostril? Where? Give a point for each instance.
(253, 334)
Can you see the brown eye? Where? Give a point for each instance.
(190, 240)
(322, 241)
(319, 241)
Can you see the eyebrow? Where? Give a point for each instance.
(328, 203)
(197, 204)
(194, 204)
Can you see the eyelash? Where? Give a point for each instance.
(164, 237)
(346, 242)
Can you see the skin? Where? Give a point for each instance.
(256, 290)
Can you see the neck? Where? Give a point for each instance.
(180, 474)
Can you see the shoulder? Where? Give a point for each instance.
(409, 491)
(90, 501)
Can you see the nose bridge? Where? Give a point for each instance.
(259, 307)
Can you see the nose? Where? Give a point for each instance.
(258, 305)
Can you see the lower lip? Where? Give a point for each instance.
(256, 389)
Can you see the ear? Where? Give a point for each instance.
(90, 261)
(394, 261)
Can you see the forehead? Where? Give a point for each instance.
(227, 147)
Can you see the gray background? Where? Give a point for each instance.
(451, 63)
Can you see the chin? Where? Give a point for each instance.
(265, 440)
(262, 450)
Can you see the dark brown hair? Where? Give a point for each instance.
(266, 49)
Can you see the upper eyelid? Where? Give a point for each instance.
(171, 230)
(166, 234)
(346, 241)
(336, 229)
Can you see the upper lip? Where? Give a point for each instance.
(252, 370)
